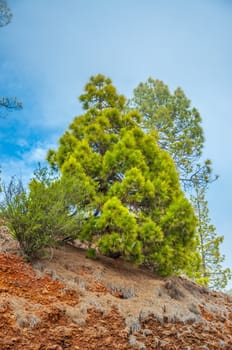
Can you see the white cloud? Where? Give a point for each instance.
(36, 155)
(18, 168)
(22, 142)
(24, 165)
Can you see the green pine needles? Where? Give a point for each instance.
(131, 198)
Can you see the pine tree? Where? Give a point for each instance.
(178, 126)
(181, 134)
(212, 273)
(138, 207)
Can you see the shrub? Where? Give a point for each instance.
(41, 215)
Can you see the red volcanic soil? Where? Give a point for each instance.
(70, 302)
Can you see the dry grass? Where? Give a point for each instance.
(134, 292)
(25, 313)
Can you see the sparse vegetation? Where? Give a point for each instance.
(173, 289)
(121, 291)
(69, 304)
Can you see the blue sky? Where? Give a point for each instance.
(51, 48)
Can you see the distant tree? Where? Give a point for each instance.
(5, 13)
(181, 134)
(7, 104)
(138, 208)
(212, 274)
(178, 126)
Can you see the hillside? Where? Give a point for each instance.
(70, 302)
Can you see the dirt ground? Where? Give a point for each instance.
(71, 302)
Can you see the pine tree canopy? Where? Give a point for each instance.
(177, 123)
(132, 197)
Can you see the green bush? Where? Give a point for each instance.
(40, 216)
(91, 253)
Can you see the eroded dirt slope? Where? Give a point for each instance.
(70, 302)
